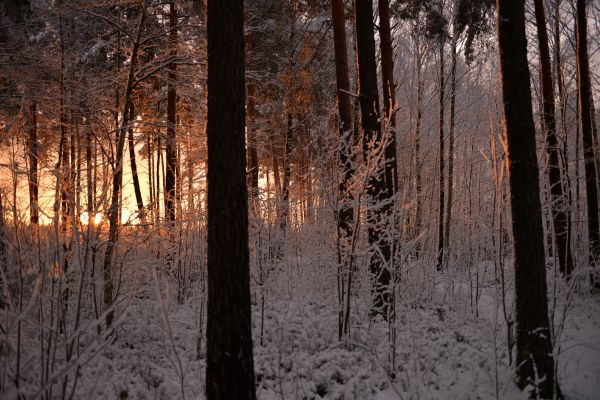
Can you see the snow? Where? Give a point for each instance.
(443, 350)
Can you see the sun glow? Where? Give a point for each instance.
(94, 218)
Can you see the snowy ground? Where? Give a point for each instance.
(443, 349)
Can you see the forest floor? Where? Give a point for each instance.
(443, 349)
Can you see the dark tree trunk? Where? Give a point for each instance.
(90, 179)
(33, 164)
(276, 176)
(132, 159)
(345, 151)
(287, 171)
(171, 142)
(441, 247)
(113, 210)
(535, 364)
(342, 77)
(558, 199)
(379, 199)
(585, 121)
(230, 366)
(252, 147)
(3, 258)
(389, 95)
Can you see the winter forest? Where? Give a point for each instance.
(299, 199)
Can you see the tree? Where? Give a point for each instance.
(558, 204)
(342, 78)
(379, 197)
(585, 123)
(132, 160)
(230, 366)
(33, 153)
(389, 95)
(345, 156)
(535, 364)
(171, 142)
(451, 129)
(441, 155)
(113, 211)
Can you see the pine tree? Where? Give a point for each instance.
(585, 123)
(379, 198)
(535, 364)
(230, 367)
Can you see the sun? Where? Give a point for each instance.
(96, 218)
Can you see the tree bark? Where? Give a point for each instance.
(451, 133)
(379, 199)
(535, 364)
(441, 247)
(32, 150)
(389, 95)
(558, 199)
(171, 142)
(252, 147)
(132, 160)
(585, 122)
(230, 367)
(345, 159)
(287, 159)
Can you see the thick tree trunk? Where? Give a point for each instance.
(345, 159)
(345, 151)
(379, 199)
(113, 210)
(585, 122)
(558, 199)
(32, 150)
(171, 142)
(535, 364)
(230, 366)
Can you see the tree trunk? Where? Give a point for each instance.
(585, 121)
(345, 159)
(134, 174)
(287, 158)
(113, 211)
(562, 101)
(379, 200)
(451, 138)
(230, 366)
(171, 142)
(90, 206)
(252, 148)
(33, 164)
(417, 149)
(441, 247)
(535, 364)
(558, 199)
(276, 177)
(389, 95)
